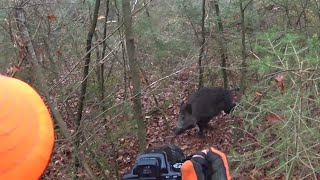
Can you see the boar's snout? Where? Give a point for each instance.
(178, 131)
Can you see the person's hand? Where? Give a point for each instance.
(206, 164)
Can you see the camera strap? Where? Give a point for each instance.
(200, 159)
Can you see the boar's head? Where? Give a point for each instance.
(186, 120)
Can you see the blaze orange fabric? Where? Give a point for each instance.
(188, 170)
(225, 162)
(26, 131)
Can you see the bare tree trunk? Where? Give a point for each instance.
(85, 75)
(137, 106)
(125, 79)
(243, 50)
(201, 51)
(222, 44)
(243, 75)
(125, 72)
(102, 88)
(39, 75)
(101, 67)
(98, 58)
(87, 62)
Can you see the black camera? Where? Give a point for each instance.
(161, 163)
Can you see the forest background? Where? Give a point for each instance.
(114, 72)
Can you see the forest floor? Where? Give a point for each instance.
(159, 126)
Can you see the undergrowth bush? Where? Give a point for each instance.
(281, 111)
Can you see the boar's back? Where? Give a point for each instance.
(209, 102)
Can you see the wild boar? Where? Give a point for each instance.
(202, 106)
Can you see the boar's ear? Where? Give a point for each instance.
(182, 103)
(189, 108)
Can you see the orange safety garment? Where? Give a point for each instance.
(193, 170)
(26, 131)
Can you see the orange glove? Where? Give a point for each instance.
(26, 131)
(208, 164)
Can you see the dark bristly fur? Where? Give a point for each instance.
(202, 106)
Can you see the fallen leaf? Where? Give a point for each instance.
(273, 118)
(280, 81)
(120, 158)
(52, 18)
(257, 93)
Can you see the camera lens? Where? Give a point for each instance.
(146, 170)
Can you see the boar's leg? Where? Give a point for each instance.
(229, 108)
(203, 124)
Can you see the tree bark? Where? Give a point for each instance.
(222, 45)
(243, 49)
(203, 38)
(102, 88)
(121, 36)
(85, 75)
(101, 67)
(87, 62)
(137, 106)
